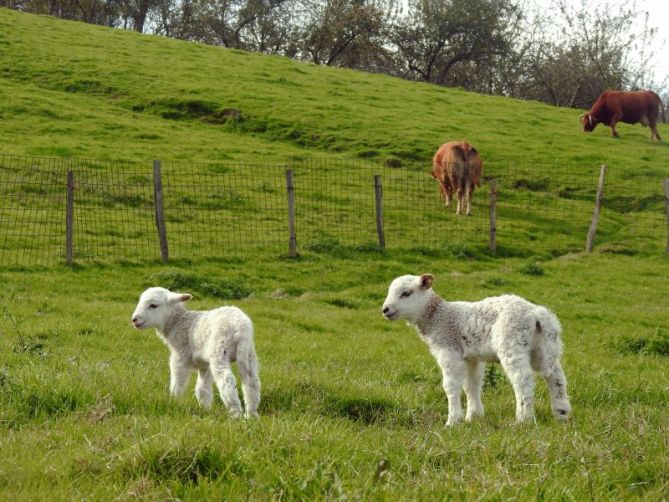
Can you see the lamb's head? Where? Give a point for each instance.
(407, 297)
(155, 306)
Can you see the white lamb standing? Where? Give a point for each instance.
(462, 336)
(209, 342)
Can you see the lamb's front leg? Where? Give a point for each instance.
(453, 371)
(179, 373)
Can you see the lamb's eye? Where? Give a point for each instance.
(153, 306)
(406, 294)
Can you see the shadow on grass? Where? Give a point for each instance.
(185, 465)
(366, 411)
(321, 401)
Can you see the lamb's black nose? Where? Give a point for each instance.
(385, 310)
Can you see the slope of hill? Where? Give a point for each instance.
(70, 89)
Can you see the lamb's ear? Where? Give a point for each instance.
(179, 297)
(426, 281)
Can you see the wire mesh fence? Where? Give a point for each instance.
(217, 210)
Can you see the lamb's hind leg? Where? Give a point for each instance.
(473, 385)
(248, 372)
(203, 391)
(557, 388)
(227, 385)
(519, 371)
(548, 365)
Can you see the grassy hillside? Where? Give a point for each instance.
(352, 405)
(87, 91)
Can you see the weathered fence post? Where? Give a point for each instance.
(493, 216)
(69, 219)
(595, 215)
(292, 242)
(378, 197)
(160, 211)
(666, 205)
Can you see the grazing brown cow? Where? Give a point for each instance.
(612, 107)
(457, 167)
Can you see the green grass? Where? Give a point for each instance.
(87, 91)
(352, 405)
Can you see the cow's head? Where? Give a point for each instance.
(589, 122)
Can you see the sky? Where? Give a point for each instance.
(659, 17)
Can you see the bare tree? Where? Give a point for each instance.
(581, 53)
(438, 36)
(350, 33)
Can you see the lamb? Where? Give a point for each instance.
(207, 341)
(457, 167)
(463, 336)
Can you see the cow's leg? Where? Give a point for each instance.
(653, 132)
(460, 197)
(446, 192)
(468, 194)
(614, 120)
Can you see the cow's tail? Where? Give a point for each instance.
(659, 100)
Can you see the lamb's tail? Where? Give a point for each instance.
(247, 360)
(548, 325)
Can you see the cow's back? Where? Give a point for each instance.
(636, 106)
(455, 160)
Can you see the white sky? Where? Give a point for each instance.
(659, 17)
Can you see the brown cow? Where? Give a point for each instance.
(612, 107)
(457, 167)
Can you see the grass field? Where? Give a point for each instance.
(352, 405)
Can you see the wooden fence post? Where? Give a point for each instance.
(292, 242)
(666, 205)
(160, 211)
(378, 197)
(595, 215)
(493, 216)
(69, 219)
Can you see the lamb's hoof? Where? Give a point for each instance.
(252, 415)
(561, 415)
(235, 414)
(526, 420)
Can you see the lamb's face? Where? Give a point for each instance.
(407, 296)
(154, 306)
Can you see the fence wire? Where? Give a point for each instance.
(218, 210)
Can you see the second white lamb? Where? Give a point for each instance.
(462, 336)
